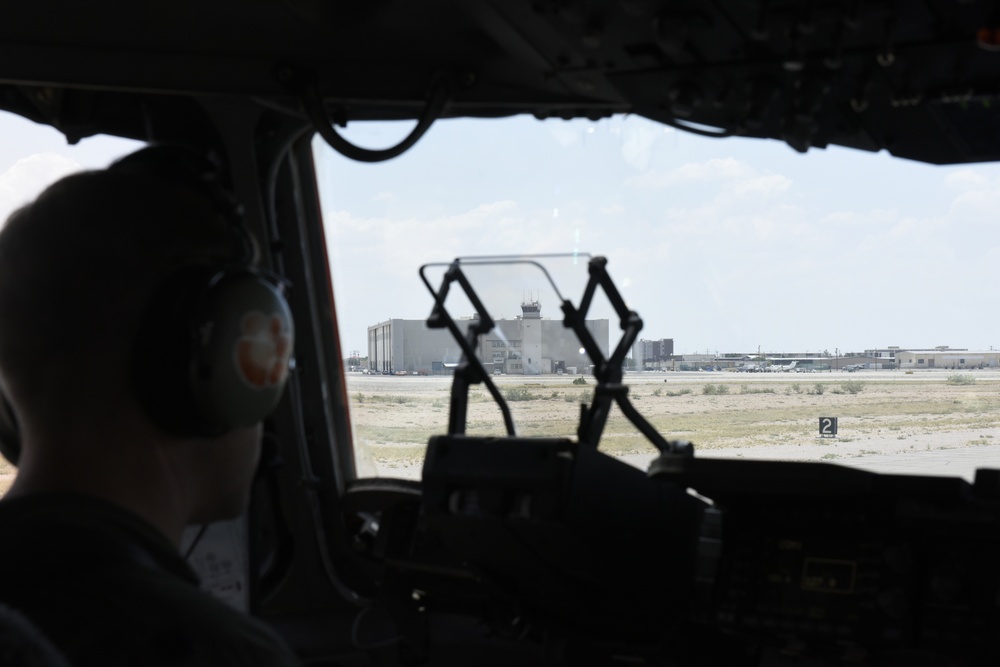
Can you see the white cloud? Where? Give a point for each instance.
(976, 206)
(637, 144)
(726, 179)
(710, 170)
(714, 169)
(766, 228)
(966, 179)
(400, 245)
(565, 134)
(860, 219)
(27, 177)
(767, 185)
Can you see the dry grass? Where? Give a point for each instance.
(394, 418)
(748, 412)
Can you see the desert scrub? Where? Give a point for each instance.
(518, 394)
(914, 408)
(852, 386)
(747, 389)
(713, 389)
(580, 380)
(382, 398)
(960, 379)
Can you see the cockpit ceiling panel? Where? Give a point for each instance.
(920, 79)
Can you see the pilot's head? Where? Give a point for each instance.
(112, 285)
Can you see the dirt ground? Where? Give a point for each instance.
(887, 420)
(927, 422)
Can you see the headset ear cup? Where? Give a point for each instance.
(10, 436)
(213, 351)
(245, 343)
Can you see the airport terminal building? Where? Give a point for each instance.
(526, 345)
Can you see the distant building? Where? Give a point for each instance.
(652, 354)
(884, 357)
(526, 345)
(947, 357)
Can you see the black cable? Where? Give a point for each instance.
(197, 538)
(312, 101)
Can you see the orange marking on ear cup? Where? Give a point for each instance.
(263, 351)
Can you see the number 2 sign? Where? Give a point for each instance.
(827, 427)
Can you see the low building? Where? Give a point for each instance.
(653, 354)
(948, 358)
(526, 345)
(883, 357)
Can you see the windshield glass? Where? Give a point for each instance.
(778, 291)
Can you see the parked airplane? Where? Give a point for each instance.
(782, 368)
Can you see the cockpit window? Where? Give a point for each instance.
(831, 307)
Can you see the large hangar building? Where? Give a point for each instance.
(526, 345)
(947, 357)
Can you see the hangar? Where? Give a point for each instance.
(945, 357)
(526, 345)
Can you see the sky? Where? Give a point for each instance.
(727, 245)
(723, 245)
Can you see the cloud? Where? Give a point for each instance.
(389, 251)
(860, 219)
(400, 245)
(637, 144)
(27, 177)
(966, 179)
(726, 180)
(766, 185)
(714, 169)
(979, 206)
(565, 134)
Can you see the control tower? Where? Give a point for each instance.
(531, 332)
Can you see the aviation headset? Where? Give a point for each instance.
(214, 345)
